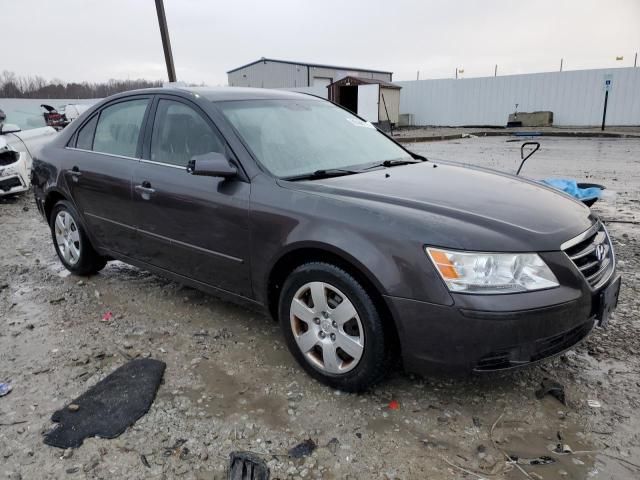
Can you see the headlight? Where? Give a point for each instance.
(486, 273)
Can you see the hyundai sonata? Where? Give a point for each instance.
(361, 249)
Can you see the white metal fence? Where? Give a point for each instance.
(576, 98)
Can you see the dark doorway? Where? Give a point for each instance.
(349, 98)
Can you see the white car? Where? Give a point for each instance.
(16, 148)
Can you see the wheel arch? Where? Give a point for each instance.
(53, 197)
(307, 253)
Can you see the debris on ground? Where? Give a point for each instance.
(247, 466)
(551, 387)
(110, 406)
(145, 462)
(394, 405)
(303, 449)
(107, 316)
(5, 388)
(594, 403)
(541, 460)
(585, 192)
(563, 448)
(176, 448)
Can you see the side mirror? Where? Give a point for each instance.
(211, 164)
(9, 128)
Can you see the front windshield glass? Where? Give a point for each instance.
(297, 137)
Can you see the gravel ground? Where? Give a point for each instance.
(230, 383)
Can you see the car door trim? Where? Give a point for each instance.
(102, 153)
(98, 217)
(191, 246)
(162, 164)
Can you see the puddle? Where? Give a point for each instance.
(227, 395)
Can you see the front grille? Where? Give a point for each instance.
(592, 253)
(8, 184)
(540, 349)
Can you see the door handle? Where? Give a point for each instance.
(75, 173)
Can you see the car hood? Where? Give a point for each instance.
(470, 207)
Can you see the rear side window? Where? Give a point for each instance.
(119, 127)
(179, 133)
(85, 134)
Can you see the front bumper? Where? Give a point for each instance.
(497, 332)
(14, 177)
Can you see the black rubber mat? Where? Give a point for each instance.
(110, 406)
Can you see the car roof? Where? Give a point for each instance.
(221, 94)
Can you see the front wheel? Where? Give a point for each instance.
(71, 242)
(333, 328)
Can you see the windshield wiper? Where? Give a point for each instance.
(324, 173)
(394, 163)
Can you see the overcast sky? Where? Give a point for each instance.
(95, 40)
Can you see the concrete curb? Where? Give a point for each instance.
(499, 133)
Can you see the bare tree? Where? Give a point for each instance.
(13, 86)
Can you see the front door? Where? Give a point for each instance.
(194, 226)
(100, 163)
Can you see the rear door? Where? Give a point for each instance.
(101, 159)
(194, 226)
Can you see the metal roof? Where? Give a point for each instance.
(305, 64)
(360, 80)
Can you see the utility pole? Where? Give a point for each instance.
(561, 62)
(166, 43)
(495, 71)
(456, 73)
(418, 75)
(635, 61)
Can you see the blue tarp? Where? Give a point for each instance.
(571, 187)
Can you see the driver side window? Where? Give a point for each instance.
(179, 133)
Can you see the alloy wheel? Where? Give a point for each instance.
(67, 237)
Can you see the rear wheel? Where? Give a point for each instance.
(71, 242)
(333, 328)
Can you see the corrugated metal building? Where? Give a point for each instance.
(576, 98)
(270, 73)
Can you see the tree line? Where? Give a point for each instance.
(14, 86)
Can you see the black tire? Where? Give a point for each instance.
(377, 354)
(89, 261)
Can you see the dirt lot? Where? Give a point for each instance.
(230, 384)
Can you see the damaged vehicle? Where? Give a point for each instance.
(53, 118)
(16, 148)
(363, 251)
(60, 118)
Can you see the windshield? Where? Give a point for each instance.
(297, 137)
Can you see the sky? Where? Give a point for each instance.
(95, 40)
